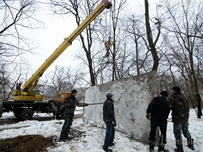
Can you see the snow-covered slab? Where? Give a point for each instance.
(133, 95)
(13, 126)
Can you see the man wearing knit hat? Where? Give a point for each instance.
(180, 115)
(110, 121)
(159, 110)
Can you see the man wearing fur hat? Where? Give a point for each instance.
(158, 111)
(180, 116)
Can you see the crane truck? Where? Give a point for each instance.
(26, 99)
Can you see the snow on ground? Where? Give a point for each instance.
(92, 137)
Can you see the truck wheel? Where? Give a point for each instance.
(26, 114)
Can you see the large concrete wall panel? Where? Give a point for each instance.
(133, 95)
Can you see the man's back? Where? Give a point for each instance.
(159, 108)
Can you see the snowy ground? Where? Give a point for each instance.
(92, 137)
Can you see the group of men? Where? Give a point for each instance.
(158, 111)
(70, 104)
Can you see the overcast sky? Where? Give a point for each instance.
(55, 30)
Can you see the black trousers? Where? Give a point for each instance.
(154, 124)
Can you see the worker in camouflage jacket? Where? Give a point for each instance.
(180, 115)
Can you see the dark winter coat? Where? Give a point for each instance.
(159, 108)
(180, 108)
(70, 104)
(108, 111)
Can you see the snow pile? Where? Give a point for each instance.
(91, 139)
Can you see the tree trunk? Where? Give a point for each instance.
(150, 39)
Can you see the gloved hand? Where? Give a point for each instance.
(147, 116)
(82, 104)
(114, 123)
(85, 104)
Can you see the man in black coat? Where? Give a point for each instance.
(70, 104)
(158, 111)
(110, 121)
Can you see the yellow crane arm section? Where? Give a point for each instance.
(26, 93)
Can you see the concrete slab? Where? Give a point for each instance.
(133, 95)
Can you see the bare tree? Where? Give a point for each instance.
(152, 43)
(16, 16)
(134, 28)
(63, 79)
(79, 10)
(183, 20)
(6, 82)
(118, 58)
(116, 20)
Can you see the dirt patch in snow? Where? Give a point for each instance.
(27, 143)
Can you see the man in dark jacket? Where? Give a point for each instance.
(158, 111)
(110, 121)
(180, 116)
(70, 104)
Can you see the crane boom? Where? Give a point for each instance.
(27, 92)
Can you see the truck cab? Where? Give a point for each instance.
(61, 96)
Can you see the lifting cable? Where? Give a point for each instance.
(108, 42)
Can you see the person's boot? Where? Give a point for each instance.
(62, 137)
(190, 144)
(151, 145)
(161, 148)
(111, 144)
(108, 150)
(179, 146)
(68, 137)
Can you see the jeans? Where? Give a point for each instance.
(178, 129)
(110, 134)
(163, 126)
(67, 123)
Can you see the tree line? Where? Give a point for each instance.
(167, 40)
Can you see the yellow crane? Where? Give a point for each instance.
(26, 93)
(24, 104)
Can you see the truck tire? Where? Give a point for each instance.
(26, 114)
